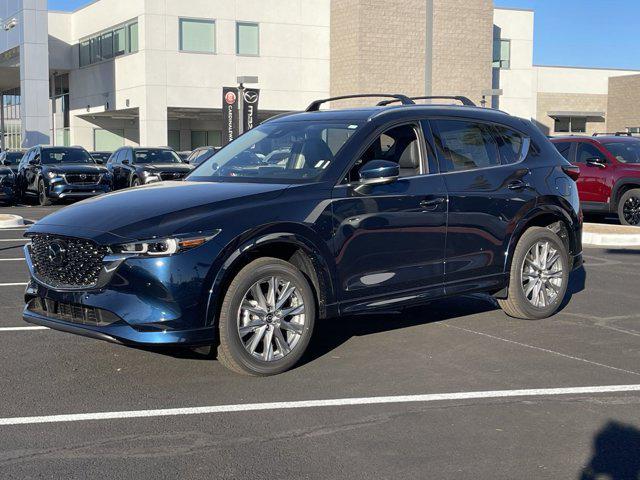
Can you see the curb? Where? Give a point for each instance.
(610, 236)
(11, 221)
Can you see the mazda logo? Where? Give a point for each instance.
(251, 97)
(57, 253)
(83, 177)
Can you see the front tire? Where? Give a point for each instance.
(42, 195)
(629, 208)
(135, 182)
(539, 276)
(267, 318)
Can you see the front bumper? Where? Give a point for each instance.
(143, 301)
(63, 190)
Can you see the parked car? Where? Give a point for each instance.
(132, 167)
(184, 156)
(11, 159)
(8, 190)
(375, 209)
(101, 157)
(200, 155)
(609, 173)
(61, 173)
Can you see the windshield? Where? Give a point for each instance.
(625, 152)
(279, 152)
(156, 156)
(13, 158)
(104, 156)
(65, 155)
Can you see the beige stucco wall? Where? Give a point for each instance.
(570, 102)
(624, 103)
(462, 47)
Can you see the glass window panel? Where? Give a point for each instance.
(578, 125)
(108, 140)
(214, 138)
(133, 37)
(198, 139)
(561, 125)
(119, 41)
(466, 145)
(197, 35)
(106, 44)
(85, 53)
(96, 55)
(248, 39)
(174, 139)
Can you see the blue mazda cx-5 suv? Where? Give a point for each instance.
(310, 216)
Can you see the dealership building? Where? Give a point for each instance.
(150, 72)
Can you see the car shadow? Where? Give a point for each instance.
(616, 453)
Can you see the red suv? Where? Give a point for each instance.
(609, 173)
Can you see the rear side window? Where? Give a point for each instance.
(465, 145)
(564, 148)
(513, 146)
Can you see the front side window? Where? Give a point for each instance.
(465, 145)
(198, 36)
(501, 53)
(586, 151)
(400, 145)
(247, 38)
(625, 152)
(277, 152)
(52, 156)
(156, 155)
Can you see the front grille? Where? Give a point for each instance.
(64, 262)
(166, 176)
(82, 178)
(72, 312)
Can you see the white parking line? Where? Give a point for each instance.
(341, 402)
(12, 259)
(21, 329)
(13, 284)
(14, 240)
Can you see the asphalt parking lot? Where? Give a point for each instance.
(452, 346)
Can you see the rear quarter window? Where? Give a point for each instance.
(564, 148)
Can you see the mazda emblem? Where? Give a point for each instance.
(57, 253)
(251, 97)
(83, 177)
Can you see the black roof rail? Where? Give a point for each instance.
(464, 100)
(315, 106)
(615, 134)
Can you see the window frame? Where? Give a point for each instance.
(500, 61)
(97, 38)
(246, 24)
(211, 21)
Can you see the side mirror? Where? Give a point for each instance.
(32, 162)
(597, 162)
(99, 161)
(125, 162)
(379, 172)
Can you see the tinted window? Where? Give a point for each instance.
(65, 155)
(13, 158)
(156, 156)
(277, 152)
(564, 148)
(587, 151)
(625, 152)
(513, 146)
(465, 145)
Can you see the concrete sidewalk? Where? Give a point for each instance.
(603, 235)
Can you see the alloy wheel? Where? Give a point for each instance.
(271, 318)
(542, 274)
(631, 210)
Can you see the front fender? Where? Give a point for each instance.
(248, 243)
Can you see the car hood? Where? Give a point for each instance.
(74, 168)
(166, 167)
(156, 210)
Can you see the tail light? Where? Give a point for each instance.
(572, 172)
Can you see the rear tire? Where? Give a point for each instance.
(272, 332)
(539, 276)
(42, 195)
(135, 182)
(629, 208)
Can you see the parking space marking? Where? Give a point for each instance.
(21, 329)
(12, 259)
(14, 240)
(546, 350)
(13, 284)
(341, 402)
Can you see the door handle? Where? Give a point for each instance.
(431, 204)
(517, 185)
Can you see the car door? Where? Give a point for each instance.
(115, 168)
(594, 183)
(389, 239)
(485, 197)
(32, 172)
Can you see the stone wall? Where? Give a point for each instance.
(571, 102)
(623, 107)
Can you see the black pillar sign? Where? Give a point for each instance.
(250, 108)
(229, 114)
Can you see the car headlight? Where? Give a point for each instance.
(165, 246)
(52, 175)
